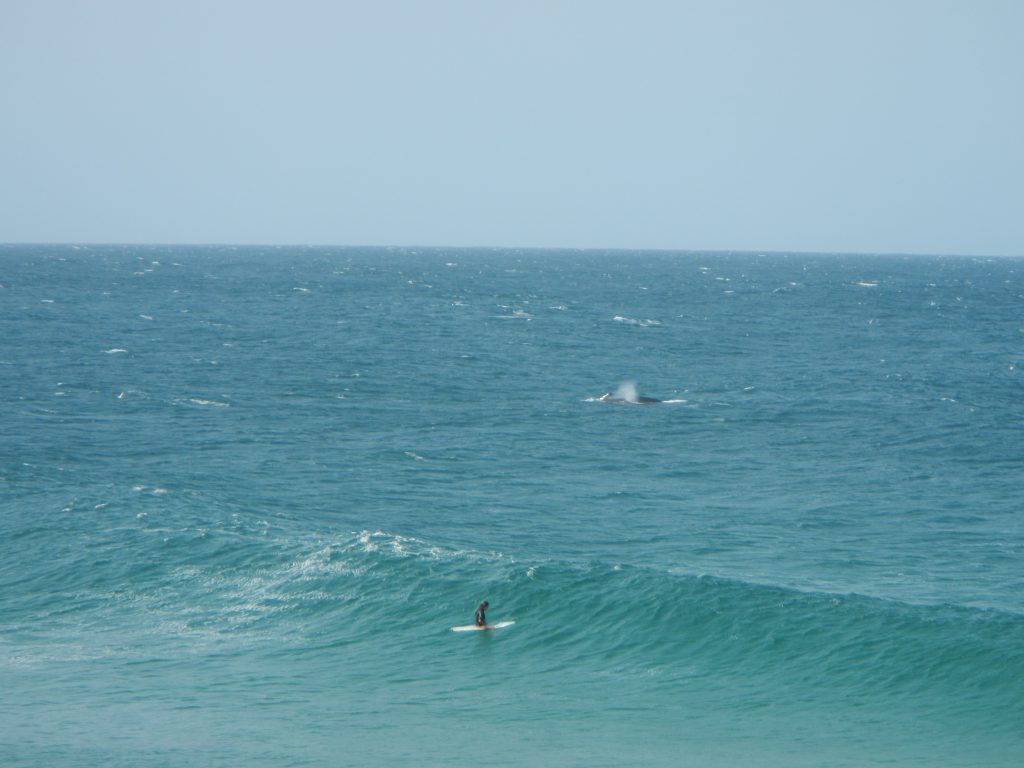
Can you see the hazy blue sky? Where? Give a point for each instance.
(890, 126)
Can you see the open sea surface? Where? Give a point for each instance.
(245, 492)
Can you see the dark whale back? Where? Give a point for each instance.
(608, 397)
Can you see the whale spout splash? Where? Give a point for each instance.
(626, 394)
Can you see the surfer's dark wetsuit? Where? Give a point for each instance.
(480, 619)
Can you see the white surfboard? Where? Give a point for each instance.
(474, 627)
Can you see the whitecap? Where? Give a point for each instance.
(867, 283)
(366, 538)
(632, 321)
(517, 314)
(214, 403)
(115, 351)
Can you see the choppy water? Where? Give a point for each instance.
(245, 492)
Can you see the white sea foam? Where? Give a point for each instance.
(633, 321)
(213, 403)
(410, 546)
(116, 351)
(516, 315)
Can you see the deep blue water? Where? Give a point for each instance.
(245, 492)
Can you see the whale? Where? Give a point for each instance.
(608, 397)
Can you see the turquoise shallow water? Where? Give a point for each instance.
(244, 492)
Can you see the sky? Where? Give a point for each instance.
(888, 126)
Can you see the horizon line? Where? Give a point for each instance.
(582, 249)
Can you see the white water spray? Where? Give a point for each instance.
(627, 391)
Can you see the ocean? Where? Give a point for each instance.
(245, 492)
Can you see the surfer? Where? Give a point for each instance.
(481, 620)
